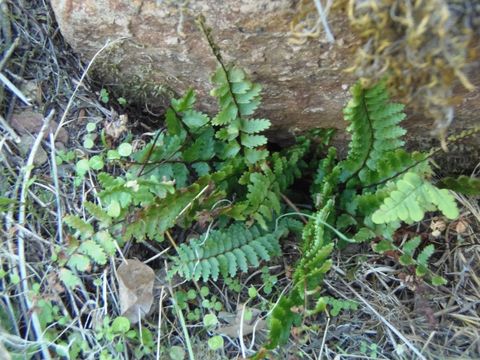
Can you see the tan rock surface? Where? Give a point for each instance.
(304, 85)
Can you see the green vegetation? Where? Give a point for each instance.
(216, 170)
(211, 201)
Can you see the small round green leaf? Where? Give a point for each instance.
(125, 149)
(176, 353)
(252, 292)
(91, 127)
(96, 162)
(192, 294)
(82, 167)
(88, 142)
(210, 320)
(215, 343)
(113, 155)
(204, 291)
(120, 325)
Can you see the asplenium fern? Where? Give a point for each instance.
(196, 162)
(368, 194)
(373, 126)
(463, 184)
(87, 246)
(411, 198)
(226, 252)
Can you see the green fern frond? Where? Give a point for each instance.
(163, 213)
(317, 247)
(265, 186)
(393, 164)
(81, 226)
(98, 213)
(94, 251)
(411, 245)
(410, 200)
(309, 272)
(281, 321)
(185, 103)
(463, 184)
(254, 126)
(225, 252)
(238, 98)
(373, 126)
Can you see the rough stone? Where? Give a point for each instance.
(304, 85)
(29, 122)
(25, 145)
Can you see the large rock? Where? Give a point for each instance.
(304, 85)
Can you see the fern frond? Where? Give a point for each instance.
(373, 126)
(84, 229)
(225, 252)
(393, 164)
(410, 200)
(281, 321)
(254, 126)
(163, 213)
(463, 184)
(93, 251)
(238, 98)
(98, 213)
(317, 247)
(309, 272)
(185, 103)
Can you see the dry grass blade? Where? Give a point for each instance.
(22, 267)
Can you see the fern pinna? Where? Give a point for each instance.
(368, 195)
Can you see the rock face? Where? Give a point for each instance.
(304, 84)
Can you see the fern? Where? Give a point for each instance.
(337, 305)
(238, 98)
(266, 185)
(98, 213)
(154, 220)
(308, 275)
(412, 197)
(225, 252)
(84, 229)
(93, 248)
(215, 168)
(407, 257)
(373, 125)
(463, 184)
(374, 189)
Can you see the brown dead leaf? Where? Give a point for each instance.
(462, 227)
(437, 226)
(116, 127)
(135, 280)
(250, 323)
